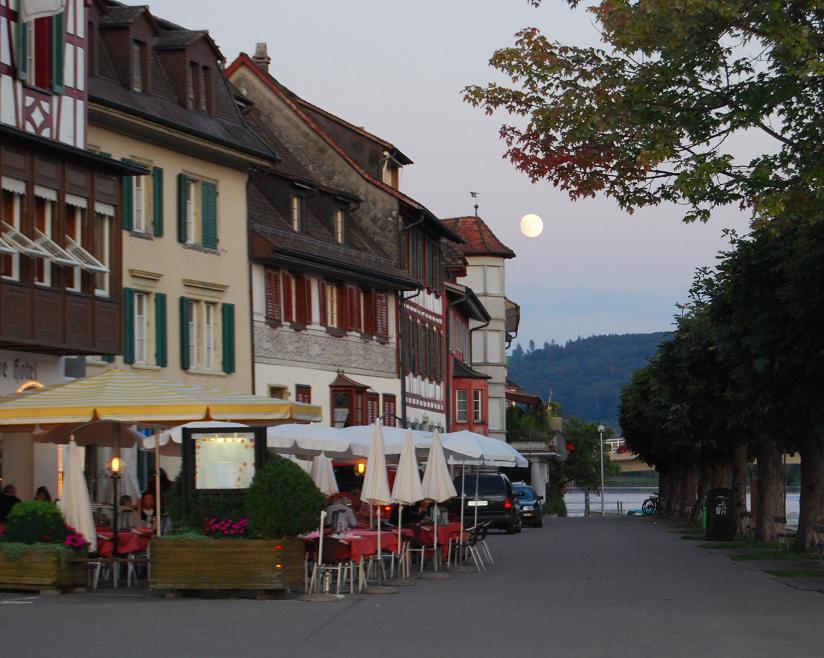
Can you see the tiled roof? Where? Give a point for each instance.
(478, 237)
(178, 38)
(121, 14)
(460, 370)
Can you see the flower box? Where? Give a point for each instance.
(41, 567)
(226, 564)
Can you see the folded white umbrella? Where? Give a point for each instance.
(376, 480)
(308, 440)
(323, 475)
(407, 488)
(437, 485)
(75, 502)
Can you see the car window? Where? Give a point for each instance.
(524, 492)
(486, 486)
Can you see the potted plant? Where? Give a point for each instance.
(258, 550)
(39, 551)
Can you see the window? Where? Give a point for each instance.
(461, 406)
(389, 410)
(340, 219)
(477, 406)
(199, 88)
(42, 43)
(11, 211)
(331, 305)
(303, 393)
(297, 212)
(143, 201)
(139, 209)
(138, 66)
(288, 297)
(278, 392)
(43, 219)
(207, 335)
(102, 242)
(373, 406)
(74, 231)
(144, 321)
(197, 212)
(141, 327)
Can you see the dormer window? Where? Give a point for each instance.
(199, 91)
(340, 226)
(297, 212)
(138, 66)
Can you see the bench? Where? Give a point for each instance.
(782, 532)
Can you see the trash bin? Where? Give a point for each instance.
(720, 515)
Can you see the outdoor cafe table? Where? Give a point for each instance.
(445, 533)
(362, 543)
(128, 541)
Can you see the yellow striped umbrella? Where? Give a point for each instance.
(125, 396)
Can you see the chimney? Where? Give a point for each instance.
(261, 57)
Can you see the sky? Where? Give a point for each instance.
(397, 68)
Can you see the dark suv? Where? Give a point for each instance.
(495, 501)
(532, 505)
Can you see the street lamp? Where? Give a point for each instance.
(601, 429)
(116, 466)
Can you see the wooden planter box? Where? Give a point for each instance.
(43, 569)
(226, 564)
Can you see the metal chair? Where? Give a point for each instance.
(337, 563)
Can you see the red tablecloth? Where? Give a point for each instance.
(128, 541)
(363, 543)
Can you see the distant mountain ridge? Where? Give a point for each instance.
(585, 375)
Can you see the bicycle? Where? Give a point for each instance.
(651, 505)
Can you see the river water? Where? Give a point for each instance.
(631, 498)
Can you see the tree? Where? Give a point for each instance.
(583, 465)
(646, 119)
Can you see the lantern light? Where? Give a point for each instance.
(116, 465)
(360, 468)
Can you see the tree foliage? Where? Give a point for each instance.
(646, 119)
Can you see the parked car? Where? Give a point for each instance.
(495, 501)
(532, 505)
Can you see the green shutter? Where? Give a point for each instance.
(128, 325)
(58, 47)
(22, 46)
(108, 358)
(181, 207)
(208, 215)
(157, 202)
(161, 351)
(184, 333)
(128, 202)
(228, 333)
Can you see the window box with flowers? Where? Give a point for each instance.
(38, 551)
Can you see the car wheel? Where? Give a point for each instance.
(540, 522)
(511, 528)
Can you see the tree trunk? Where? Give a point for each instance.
(688, 488)
(770, 490)
(739, 485)
(664, 491)
(812, 491)
(704, 474)
(721, 475)
(586, 503)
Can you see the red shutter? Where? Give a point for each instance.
(322, 294)
(369, 312)
(301, 283)
(42, 52)
(381, 314)
(273, 308)
(288, 282)
(352, 308)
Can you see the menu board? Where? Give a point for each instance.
(224, 461)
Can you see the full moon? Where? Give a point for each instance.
(531, 225)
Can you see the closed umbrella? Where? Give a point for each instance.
(376, 481)
(323, 475)
(407, 488)
(75, 502)
(437, 485)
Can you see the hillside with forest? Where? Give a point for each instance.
(584, 375)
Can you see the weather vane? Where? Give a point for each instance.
(474, 195)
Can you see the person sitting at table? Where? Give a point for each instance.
(146, 510)
(8, 499)
(360, 507)
(42, 494)
(417, 512)
(339, 515)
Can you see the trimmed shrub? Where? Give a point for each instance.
(35, 522)
(282, 500)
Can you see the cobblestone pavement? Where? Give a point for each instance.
(576, 587)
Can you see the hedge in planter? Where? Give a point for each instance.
(281, 502)
(38, 550)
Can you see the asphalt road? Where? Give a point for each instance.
(576, 587)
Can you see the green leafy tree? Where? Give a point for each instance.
(583, 464)
(646, 118)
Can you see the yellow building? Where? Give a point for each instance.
(158, 98)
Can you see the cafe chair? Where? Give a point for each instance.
(472, 548)
(482, 545)
(417, 546)
(337, 564)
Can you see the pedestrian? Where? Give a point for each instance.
(8, 499)
(42, 494)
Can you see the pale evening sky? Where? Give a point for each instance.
(397, 69)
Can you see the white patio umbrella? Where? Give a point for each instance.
(308, 440)
(323, 475)
(394, 439)
(75, 502)
(375, 489)
(407, 488)
(437, 485)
